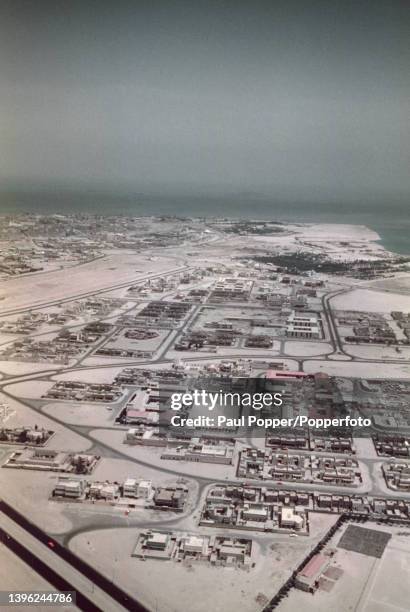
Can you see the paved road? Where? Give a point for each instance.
(61, 578)
(56, 581)
(94, 591)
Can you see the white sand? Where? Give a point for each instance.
(366, 300)
(33, 389)
(15, 575)
(118, 267)
(101, 375)
(358, 369)
(29, 492)
(306, 349)
(378, 352)
(79, 413)
(15, 368)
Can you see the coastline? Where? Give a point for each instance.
(390, 223)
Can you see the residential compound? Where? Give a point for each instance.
(83, 392)
(189, 548)
(202, 452)
(397, 475)
(309, 468)
(268, 509)
(67, 345)
(28, 436)
(128, 493)
(392, 445)
(51, 460)
(136, 311)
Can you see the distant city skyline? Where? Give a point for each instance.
(268, 98)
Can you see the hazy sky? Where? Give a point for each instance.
(307, 99)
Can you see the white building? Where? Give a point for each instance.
(144, 489)
(298, 326)
(194, 544)
(291, 520)
(137, 488)
(103, 490)
(203, 453)
(67, 487)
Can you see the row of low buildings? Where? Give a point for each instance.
(194, 548)
(248, 494)
(142, 436)
(179, 373)
(240, 496)
(197, 339)
(297, 300)
(202, 453)
(162, 314)
(84, 392)
(28, 436)
(137, 376)
(112, 351)
(257, 517)
(279, 441)
(332, 444)
(259, 341)
(52, 460)
(372, 333)
(229, 289)
(184, 448)
(394, 445)
(67, 344)
(170, 498)
(25, 324)
(270, 465)
(373, 506)
(343, 471)
(255, 508)
(306, 440)
(397, 475)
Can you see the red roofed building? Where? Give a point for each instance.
(285, 374)
(308, 578)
